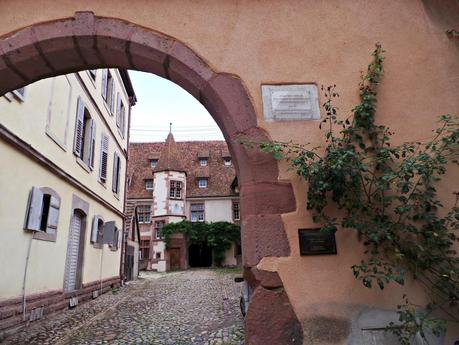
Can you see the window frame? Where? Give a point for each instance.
(144, 244)
(20, 96)
(236, 207)
(158, 228)
(175, 189)
(34, 214)
(141, 214)
(203, 161)
(201, 211)
(84, 136)
(97, 233)
(116, 176)
(203, 179)
(146, 184)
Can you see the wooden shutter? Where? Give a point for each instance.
(103, 158)
(78, 139)
(53, 215)
(116, 239)
(113, 99)
(104, 83)
(95, 229)
(118, 111)
(92, 144)
(109, 232)
(35, 209)
(116, 173)
(123, 120)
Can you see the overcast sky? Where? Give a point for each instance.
(160, 102)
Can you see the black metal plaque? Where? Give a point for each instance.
(314, 242)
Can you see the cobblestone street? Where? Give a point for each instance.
(189, 307)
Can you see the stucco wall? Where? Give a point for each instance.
(56, 99)
(324, 42)
(47, 259)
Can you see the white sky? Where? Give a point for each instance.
(160, 102)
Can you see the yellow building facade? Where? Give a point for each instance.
(62, 178)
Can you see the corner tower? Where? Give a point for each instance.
(169, 191)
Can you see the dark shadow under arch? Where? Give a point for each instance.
(86, 41)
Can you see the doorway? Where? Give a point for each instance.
(200, 255)
(73, 265)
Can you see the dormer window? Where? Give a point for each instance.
(227, 161)
(149, 184)
(202, 183)
(153, 163)
(203, 162)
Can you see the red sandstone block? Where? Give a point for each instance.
(10, 301)
(269, 280)
(228, 101)
(266, 236)
(11, 322)
(188, 69)
(267, 198)
(8, 312)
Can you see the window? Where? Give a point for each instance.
(197, 212)
(153, 163)
(116, 173)
(158, 226)
(92, 73)
(149, 184)
(97, 232)
(236, 212)
(227, 161)
(202, 182)
(203, 162)
(20, 94)
(144, 213)
(145, 249)
(108, 90)
(175, 190)
(120, 115)
(103, 158)
(85, 135)
(43, 212)
(158, 255)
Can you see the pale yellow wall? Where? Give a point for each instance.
(94, 259)
(57, 99)
(47, 259)
(52, 103)
(216, 210)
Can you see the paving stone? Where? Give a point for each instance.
(194, 307)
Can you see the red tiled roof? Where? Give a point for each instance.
(169, 157)
(185, 157)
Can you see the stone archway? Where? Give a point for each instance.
(86, 41)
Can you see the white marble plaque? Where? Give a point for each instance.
(290, 102)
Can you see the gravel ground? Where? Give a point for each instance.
(179, 308)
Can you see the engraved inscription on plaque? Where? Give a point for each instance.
(290, 102)
(315, 242)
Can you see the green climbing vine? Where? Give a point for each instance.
(218, 235)
(388, 195)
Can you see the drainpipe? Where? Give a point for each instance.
(124, 239)
(25, 278)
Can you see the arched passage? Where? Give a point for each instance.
(86, 41)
